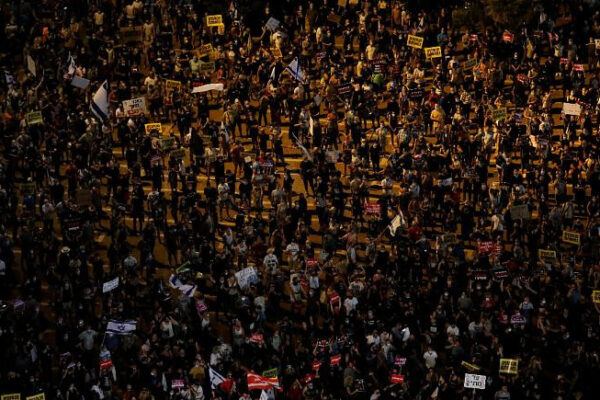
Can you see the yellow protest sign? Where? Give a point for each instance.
(470, 64)
(433, 52)
(499, 114)
(548, 256)
(205, 50)
(571, 238)
(157, 126)
(34, 117)
(11, 396)
(207, 67)
(342, 3)
(509, 366)
(214, 20)
(414, 42)
(596, 296)
(469, 366)
(170, 87)
(40, 396)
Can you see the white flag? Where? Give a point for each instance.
(295, 70)
(100, 102)
(120, 327)
(110, 285)
(71, 67)
(396, 223)
(215, 378)
(272, 77)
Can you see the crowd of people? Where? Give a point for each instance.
(372, 200)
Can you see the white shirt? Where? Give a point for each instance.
(430, 357)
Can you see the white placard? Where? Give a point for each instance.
(110, 285)
(208, 87)
(473, 381)
(135, 106)
(80, 82)
(246, 277)
(571, 109)
(272, 24)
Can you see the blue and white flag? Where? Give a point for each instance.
(10, 80)
(71, 67)
(120, 327)
(215, 378)
(100, 102)
(295, 70)
(187, 290)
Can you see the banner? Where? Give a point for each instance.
(34, 117)
(110, 285)
(473, 381)
(214, 20)
(156, 126)
(415, 42)
(433, 52)
(135, 106)
(571, 237)
(571, 109)
(509, 366)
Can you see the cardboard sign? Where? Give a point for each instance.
(508, 37)
(547, 256)
(214, 20)
(11, 396)
(499, 114)
(469, 64)
(433, 52)
(571, 238)
(473, 381)
(571, 109)
(509, 366)
(207, 67)
(178, 154)
(373, 208)
(415, 42)
(469, 366)
(519, 212)
(596, 296)
(34, 118)
(131, 34)
(156, 126)
(135, 106)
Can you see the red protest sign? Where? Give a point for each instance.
(316, 365)
(400, 361)
(311, 263)
(397, 378)
(578, 67)
(564, 61)
(373, 208)
(257, 338)
(335, 360)
(488, 247)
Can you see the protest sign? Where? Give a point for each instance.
(499, 114)
(469, 64)
(208, 68)
(40, 396)
(596, 296)
(155, 126)
(571, 238)
(80, 82)
(547, 256)
(415, 42)
(166, 143)
(373, 208)
(469, 366)
(214, 20)
(395, 378)
(11, 396)
(246, 277)
(177, 383)
(135, 106)
(178, 153)
(205, 50)
(571, 109)
(272, 24)
(170, 87)
(110, 285)
(509, 366)
(508, 37)
(270, 373)
(578, 67)
(34, 117)
(473, 381)
(433, 52)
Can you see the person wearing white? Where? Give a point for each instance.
(430, 357)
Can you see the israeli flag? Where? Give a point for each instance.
(187, 290)
(120, 327)
(10, 80)
(215, 378)
(100, 102)
(71, 67)
(295, 70)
